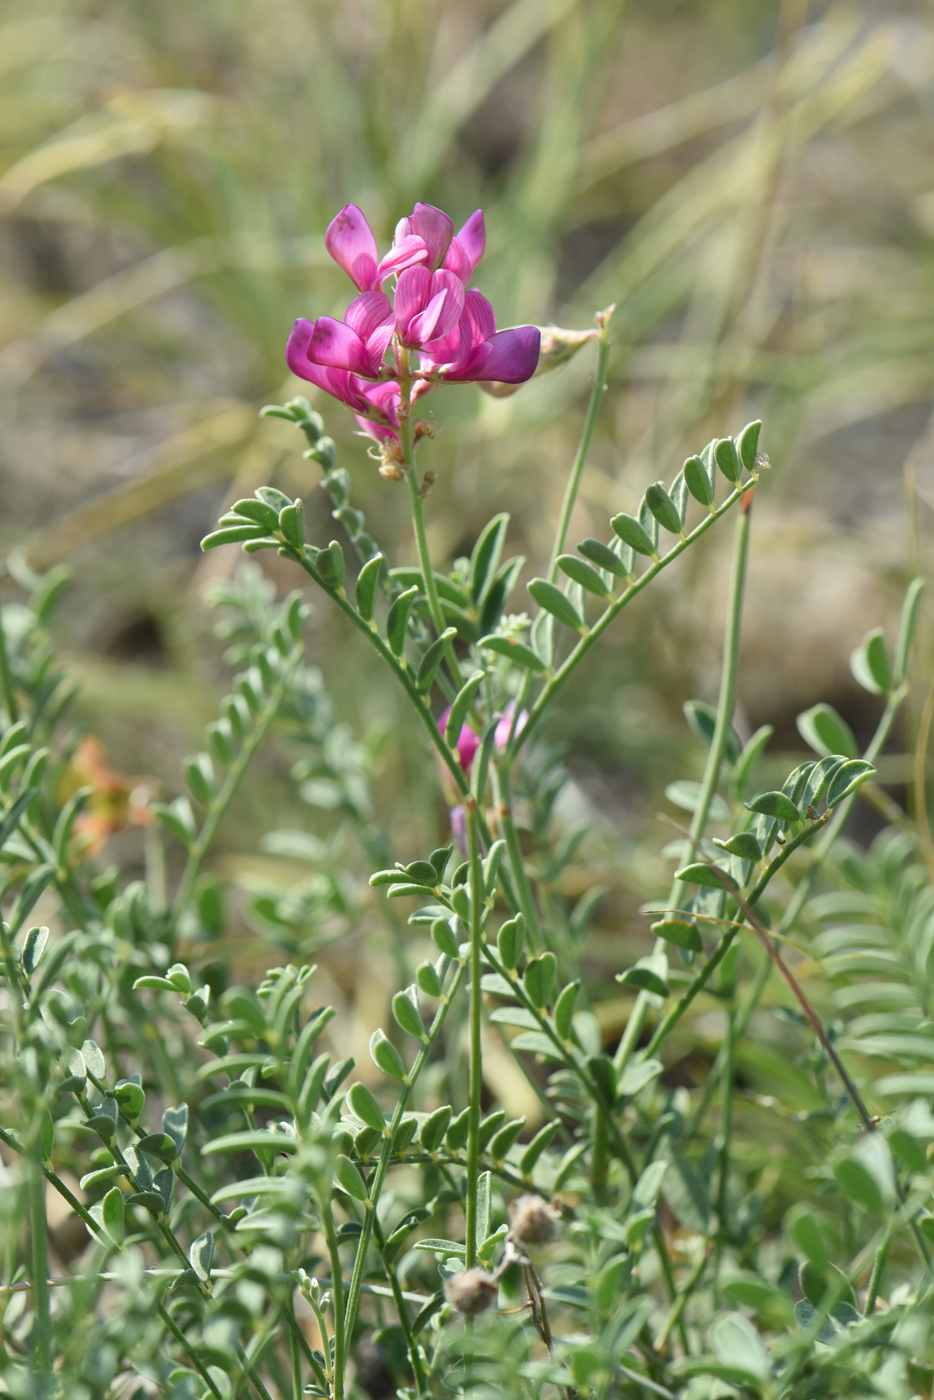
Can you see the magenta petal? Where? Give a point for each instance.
(367, 312)
(336, 344)
(296, 351)
(406, 253)
(413, 292)
(472, 237)
(349, 239)
(509, 357)
(453, 305)
(378, 343)
(376, 431)
(478, 317)
(437, 230)
(466, 248)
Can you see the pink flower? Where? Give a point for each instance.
(365, 360)
(349, 239)
(468, 741)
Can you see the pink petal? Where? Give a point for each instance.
(336, 344)
(378, 343)
(296, 351)
(368, 311)
(423, 326)
(437, 230)
(442, 313)
(466, 248)
(405, 253)
(376, 430)
(413, 292)
(479, 317)
(349, 239)
(509, 357)
(467, 744)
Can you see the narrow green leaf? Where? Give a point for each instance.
(386, 1057)
(549, 597)
(459, 1131)
(826, 732)
(460, 708)
(906, 628)
(199, 775)
(250, 1140)
(367, 582)
(663, 508)
(580, 572)
(743, 844)
(260, 512)
(539, 979)
(643, 979)
(633, 534)
(349, 1179)
(536, 1147)
(698, 481)
(847, 778)
(112, 1214)
(703, 721)
(871, 666)
(515, 650)
(564, 1009)
(738, 1346)
(504, 1140)
(774, 804)
(33, 948)
(159, 1145)
(509, 942)
(485, 557)
(34, 885)
(428, 980)
(235, 534)
(431, 661)
(273, 497)
(434, 1128)
(701, 873)
(292, 523)
(747, 445)
(175, 1125)
(407, 1015)
(398, 619)
(681, 934)
(604, 557)
(201, 1256)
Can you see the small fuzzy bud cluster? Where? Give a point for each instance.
(532, 1220)
(471, 1292)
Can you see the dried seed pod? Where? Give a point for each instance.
(532, 1220)
(471, 1292)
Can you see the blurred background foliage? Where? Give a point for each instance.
(749, 183)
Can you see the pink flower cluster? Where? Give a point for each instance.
(436, 329)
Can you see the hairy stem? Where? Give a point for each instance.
(475, 1027)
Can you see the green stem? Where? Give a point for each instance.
(590, 423)
(878, 1266)
(418, 523)
(565, 670)
(726, 1124)
(502, 796)
(385, 1160)
(219, 804)
(6, 678)
(726, 704)
(38, 1225)
(402, 1312)
(674, 1317)
(476, 1051)
(187, 1350)
(338, 1310)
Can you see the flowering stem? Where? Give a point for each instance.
(590, 423)
(725, 707)
(418, 523)
(476, 1050)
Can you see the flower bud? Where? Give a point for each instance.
(471, 1292)
(532, 1220)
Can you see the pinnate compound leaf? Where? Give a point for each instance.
(549, 597)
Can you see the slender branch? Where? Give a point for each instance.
(564, 671)
(476, 1048)
(590, 423)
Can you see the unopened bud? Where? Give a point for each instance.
(532, 1220)
(471, 1292)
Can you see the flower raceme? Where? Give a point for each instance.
(386, 353)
